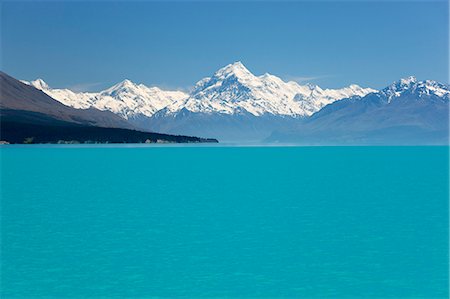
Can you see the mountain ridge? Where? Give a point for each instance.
(28, 115)
(18, 96)
(407, 112)
(125, 98)
(233, 105)
(230, 89)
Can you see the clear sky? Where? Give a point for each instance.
(91, 45)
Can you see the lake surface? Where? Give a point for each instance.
(224, 222)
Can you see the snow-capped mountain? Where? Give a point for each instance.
(78, 100)
(24, 105)
(233, 89)
(406, 112)
(125, 99)
(420, 89)
(236, 105)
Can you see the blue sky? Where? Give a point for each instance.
(91, 45)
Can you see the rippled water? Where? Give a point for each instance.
(224, 222)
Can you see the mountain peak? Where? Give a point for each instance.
(402, 84)
(408, 80)
(312, 86)
(412, 85)
(40, 84)
(237, 64)
(127, 83)
(237, 69)
(123, 86)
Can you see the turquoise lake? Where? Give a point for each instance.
(224, 222)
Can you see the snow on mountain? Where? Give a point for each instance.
(125, 99)
(419, 88)
(38, 83)
(408, 112)
(78, 100)
(234, 104)
(128, 99)
(234, 88)
(316, 98)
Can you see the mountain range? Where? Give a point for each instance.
(232, 104)
(407, 112)
(29, 115)
(235, 105)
